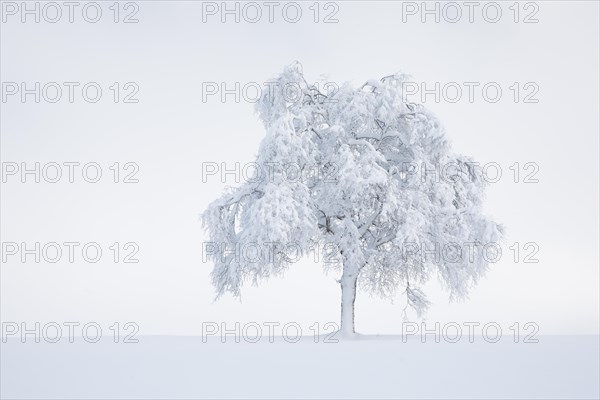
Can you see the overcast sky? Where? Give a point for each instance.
(171, 131)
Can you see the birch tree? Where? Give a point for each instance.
(379, 180)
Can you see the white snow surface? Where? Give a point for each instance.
(371, 367)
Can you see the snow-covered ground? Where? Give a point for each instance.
(383, 367)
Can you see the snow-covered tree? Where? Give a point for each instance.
(379, 181)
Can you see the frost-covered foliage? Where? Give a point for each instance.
(384, 208)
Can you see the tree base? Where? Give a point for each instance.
(345, 335)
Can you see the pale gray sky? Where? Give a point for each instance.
(171, 132)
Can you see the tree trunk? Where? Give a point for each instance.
(348, 285)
